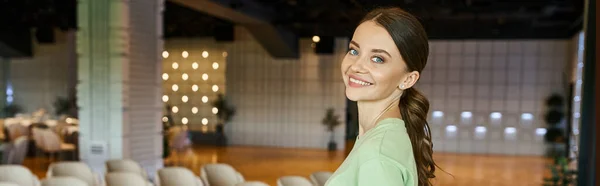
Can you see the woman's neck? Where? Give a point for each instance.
(370, 112)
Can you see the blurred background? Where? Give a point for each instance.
(249, 92)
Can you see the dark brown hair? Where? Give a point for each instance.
(411, 39)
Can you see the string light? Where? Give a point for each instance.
(215, 65)
(215, 88)
(165, 98)
(204, 121)
(165, 76)
(194, 110)
(175, 65)
(184, 99)
(215, 110)
(204, 99)
(165, 54)
(204, 76)
(185, 54)
(195, 65)
(175, 88)
(204, 54)
(195, 88)
(175, 109)
(184, 76)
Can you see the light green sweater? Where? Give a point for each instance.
(380, 157)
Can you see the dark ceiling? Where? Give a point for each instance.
(443, 19)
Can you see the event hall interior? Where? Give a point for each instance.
(250, 92)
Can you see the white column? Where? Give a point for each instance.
(118, 45)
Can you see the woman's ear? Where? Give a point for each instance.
(409, 81)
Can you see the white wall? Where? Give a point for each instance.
(511, 77)
(37, 81)
(281, 102)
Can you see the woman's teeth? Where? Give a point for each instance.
(359, 82)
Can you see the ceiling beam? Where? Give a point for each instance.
(278, 42)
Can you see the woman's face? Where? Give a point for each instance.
(373, 68)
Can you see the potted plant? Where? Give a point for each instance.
(331, 121)
(11, 110)
(225, 113)
(66, 106)
(555, 135)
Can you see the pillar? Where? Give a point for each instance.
(4, 72)
(118, 92)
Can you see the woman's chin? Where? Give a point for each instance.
(355, 96)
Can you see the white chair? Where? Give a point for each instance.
(177, 176)
(49, 142)
(19, 175)
(125, 178)
(293, 181)
(16, 130)
(126, 166)
(252, 183)
(78, 170)
(63, 180)
(19, 150)
(8, 184)
(320, 178)
(220, 174)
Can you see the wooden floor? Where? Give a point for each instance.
(268, 164)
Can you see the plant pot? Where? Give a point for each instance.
(332, 146)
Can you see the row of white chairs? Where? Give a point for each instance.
(128, 172)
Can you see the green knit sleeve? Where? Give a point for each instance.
(383, 172)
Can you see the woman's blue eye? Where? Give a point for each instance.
(353, 52)
(377, 60)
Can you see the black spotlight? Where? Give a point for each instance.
(326, 45)
(45, 34)
(224, 33)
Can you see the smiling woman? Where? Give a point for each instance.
(387, 53)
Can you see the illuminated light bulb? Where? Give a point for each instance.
(165, 54)
(195, 110)
(224, 54)
(165, 119)
(174, 109)
(165, 98)
(175, 87)
(438, 114)
(195, 88)
(165, 76)
(184, 76)
(466, 114)
(451, 128)
(215, 88)
(184, 99)
(316, 39)
(215, 65)
(204, 121)
(184, 120)
(175, 65)
(204, 54)
(204, 76)
(185, 54)
(526, 116)
(480, 129)
(215, 110)
(510, 130)
(495, 115)
(195, 65)
(540, 131)
(204, 99)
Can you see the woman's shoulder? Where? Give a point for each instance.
(390, 144)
